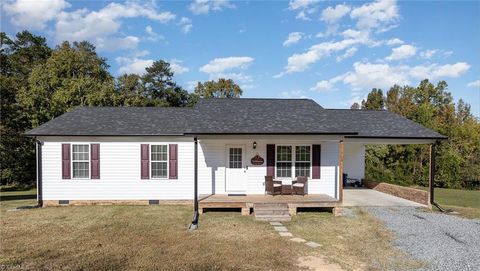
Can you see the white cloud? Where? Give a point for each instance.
(301, 4)
(152, 36)
(102, 25)
(348, 53)
(376, 15)
(448, 70)
(381, 75)
(205, 6)
(302, 16)
(128, 42)
(427, 54)
(34, 14)
(301, 62)
(133, 65)
(137, 65)
(220, 65)
(186, 24)
(177, 68)
(402, 52)
(293, 38)
(191, 85)
(394, 41)
(474, 84)
(304, 7)
(294, 94)
(332, 15)
(230, 68)
(323, 85)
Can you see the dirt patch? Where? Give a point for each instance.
(318, 263)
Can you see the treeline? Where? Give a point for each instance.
(39, 83)
(457, 159)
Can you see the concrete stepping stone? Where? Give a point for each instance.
(276, 224)
(313, 244)
(285, 234)
(280, 228)
(298, 240)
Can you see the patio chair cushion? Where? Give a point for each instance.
(276, 185)
(298, 185)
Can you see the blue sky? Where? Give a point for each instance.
(331, 51)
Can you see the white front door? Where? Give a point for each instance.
(235, 169)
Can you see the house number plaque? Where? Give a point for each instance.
(257, 160)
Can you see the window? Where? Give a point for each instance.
(235, 158)
(288, 161)
(159, 161)
(302, 161)
(81, 161)
(284, 161)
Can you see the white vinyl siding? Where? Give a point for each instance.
(81, 161)
(212, 163)
(120, 164)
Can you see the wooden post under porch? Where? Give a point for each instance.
(247, 203)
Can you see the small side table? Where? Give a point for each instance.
(286, 189)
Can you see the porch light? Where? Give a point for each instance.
(254, 144)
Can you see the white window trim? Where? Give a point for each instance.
(151, 161)
(293, 161)
(89, 160)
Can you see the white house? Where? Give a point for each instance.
(147, 155)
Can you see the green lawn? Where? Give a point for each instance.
(30, 193)
(466, 202)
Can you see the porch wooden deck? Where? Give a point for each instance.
(245, 203)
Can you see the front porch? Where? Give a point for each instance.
(247, 203)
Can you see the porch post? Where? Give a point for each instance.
(431, 177)
(340, 171)
(194, 224)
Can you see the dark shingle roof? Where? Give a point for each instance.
(380, 123)
(233, 116)
(112, 121)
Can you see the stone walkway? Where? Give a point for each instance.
(283, 231)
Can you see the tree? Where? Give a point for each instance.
(161, 88)
(374, 100)
(73, 76)
(222, 88)
(17, 58)
(355, 106)
(458, 158)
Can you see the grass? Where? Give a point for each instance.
(138, 237)
(354, 242)
(465, 202)
(14, 194)
(155, 238)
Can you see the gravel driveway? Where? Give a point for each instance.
(446, 242)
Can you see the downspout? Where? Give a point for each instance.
(39, 172)
(431, 182)
(194, 224)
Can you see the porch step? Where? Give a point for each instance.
(271, 212)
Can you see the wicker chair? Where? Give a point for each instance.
(300, 186)
(272, 187)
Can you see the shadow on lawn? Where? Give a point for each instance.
(17, 197)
